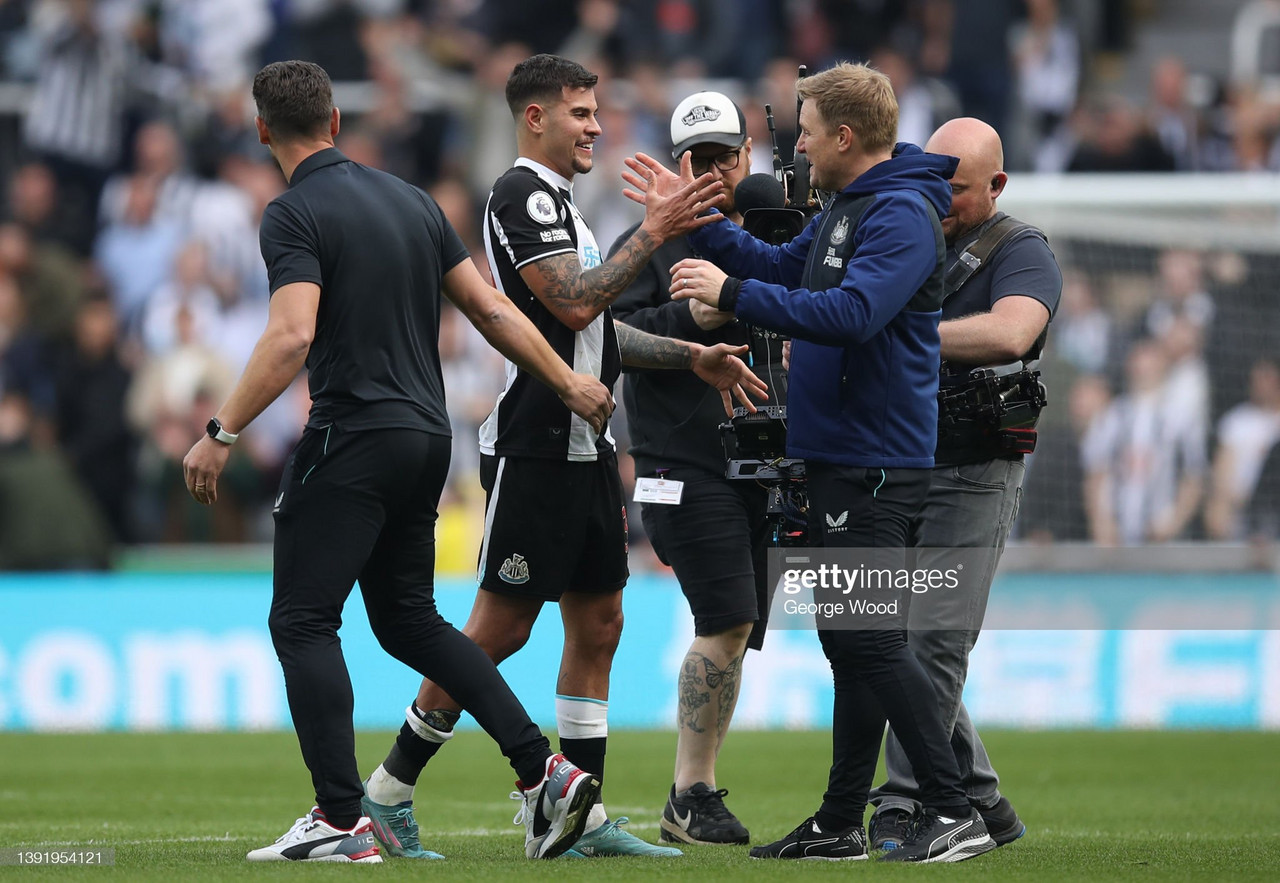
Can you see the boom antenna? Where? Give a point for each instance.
(773, 138)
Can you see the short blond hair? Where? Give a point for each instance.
(857, 96)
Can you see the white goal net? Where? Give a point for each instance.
(1161, 363)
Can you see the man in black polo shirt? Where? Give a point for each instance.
(357, 260)
(555, 523)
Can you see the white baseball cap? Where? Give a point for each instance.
(707, 118)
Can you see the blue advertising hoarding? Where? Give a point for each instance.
(192, 652)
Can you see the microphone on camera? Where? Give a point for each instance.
(760, 198)
(760, 190)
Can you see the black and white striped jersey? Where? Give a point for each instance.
(77, 110)
(530, 216)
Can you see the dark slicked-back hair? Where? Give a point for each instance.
(294, 98)
(542, 79)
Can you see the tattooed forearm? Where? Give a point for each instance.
(640, 349)
(692, 696)
(568, 288)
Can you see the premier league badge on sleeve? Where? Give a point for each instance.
(541, 208)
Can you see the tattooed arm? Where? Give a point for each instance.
(640, 349)
(718, 365)
(673, 206)
(576, 296)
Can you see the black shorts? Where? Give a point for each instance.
(552, 526)
(716, 542)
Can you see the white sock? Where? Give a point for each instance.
(578, 718)
(386, 789)
(596, 818)
(583, 718)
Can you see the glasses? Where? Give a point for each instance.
(725, 162)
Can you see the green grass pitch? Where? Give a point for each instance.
(1098, 805)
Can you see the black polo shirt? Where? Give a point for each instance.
(378, 248)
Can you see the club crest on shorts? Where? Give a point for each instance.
(515, 570)
(541, 207)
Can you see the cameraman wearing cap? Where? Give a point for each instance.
(715, 536)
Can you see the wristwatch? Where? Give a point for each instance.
(217, 433)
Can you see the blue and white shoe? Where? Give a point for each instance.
(609, 839)
(396, 828)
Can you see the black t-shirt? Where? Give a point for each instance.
(530, 217)
(1025, 266)
(378, 248)
(674, 416)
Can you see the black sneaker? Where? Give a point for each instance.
(698, 815)
(1002, 822)
(890, 827)
(938, 838)
(809, 841)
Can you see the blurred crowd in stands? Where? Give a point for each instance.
(131, 183)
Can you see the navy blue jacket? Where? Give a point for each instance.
(860, 291)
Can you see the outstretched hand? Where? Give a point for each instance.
(673, 204)
(720, 366)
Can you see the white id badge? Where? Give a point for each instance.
(659, 490)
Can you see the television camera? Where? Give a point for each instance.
(775, 208)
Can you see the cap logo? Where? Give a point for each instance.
(700, 114)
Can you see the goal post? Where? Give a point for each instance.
(1171, 301)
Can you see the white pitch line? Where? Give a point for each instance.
(513, 830)
(92, 841)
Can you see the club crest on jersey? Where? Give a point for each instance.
(700, 114)
(541, 208)
(515, 570)
(841, 232)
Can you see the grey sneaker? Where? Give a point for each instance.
(889, 828)
(555, 810)
(313, 839)
(1002, 822)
